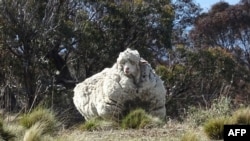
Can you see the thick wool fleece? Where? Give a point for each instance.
(110, 94)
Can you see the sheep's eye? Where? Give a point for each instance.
(132, 62)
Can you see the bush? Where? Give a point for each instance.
(139, 119)
(41, 115)
(214, 128)
(242, 116)
(220, 107)
(197, 77)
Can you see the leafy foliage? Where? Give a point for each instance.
(224, 25)
(51, 45)
(186, 11)
(196, 77)
(220, 107)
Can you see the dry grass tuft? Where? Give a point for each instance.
(139, 119)
(98, 124)
(242, 116)
(35, 132)
(214, 128)
(40, 115)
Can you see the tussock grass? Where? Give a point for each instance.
(207, 124)
(242, 116)
(97, 124)
(42, 116)
(190, 136)
(35, 132)
(138, 119)
(214, 128)
(5, 134)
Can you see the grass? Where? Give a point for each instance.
(35, 132)
(214, 128)
(98, 124)
(40, 115)
(137, 125)
(220, 107)
(138, 119)
(5, 134)
(242, 116)
(190, 136)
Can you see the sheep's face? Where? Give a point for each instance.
(128, 62)
(129, 67)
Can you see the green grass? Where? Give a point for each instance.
(97, 124)
(36, 126)
(35, 132)
(5, 134)
(214, 128)
(190, 136)
(138, 119)
(40, 115)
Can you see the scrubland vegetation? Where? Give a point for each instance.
(46, 47)
(42, 124)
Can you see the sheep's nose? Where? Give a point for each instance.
(127, 69)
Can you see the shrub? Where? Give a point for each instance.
(139, 119)
(242, 116)
(214, 128)
(45, 116)
(220, 107)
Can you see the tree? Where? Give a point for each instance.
(186, 11)
(224, 25)
(140, 24)
(33, 31)
(202, 75)
(63, 42)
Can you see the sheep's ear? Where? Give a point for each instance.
(142, 61)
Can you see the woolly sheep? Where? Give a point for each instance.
(151, 88)
(100, 95)
(113, 92)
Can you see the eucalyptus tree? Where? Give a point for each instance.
(145, 25)
(63, 42)
(227, 26)
(224, 25)
(186, 11)
(34, 33)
